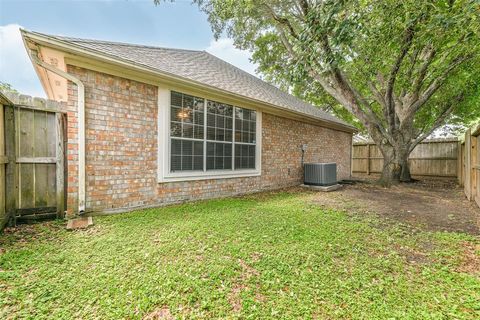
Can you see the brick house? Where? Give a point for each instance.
(150, 126)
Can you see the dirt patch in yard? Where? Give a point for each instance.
(234, 298)
(471, 258)
(159, 314)
(429, 204)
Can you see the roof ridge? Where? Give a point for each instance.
(75, 39)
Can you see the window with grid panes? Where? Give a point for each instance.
(219, 136)
(245, 138)
(187, 132)
(227, 133)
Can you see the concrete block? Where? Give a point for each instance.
(323, 188)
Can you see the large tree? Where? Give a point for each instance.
(398, 69)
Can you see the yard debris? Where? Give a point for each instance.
(79, 223)
(256, 256)
(247, 272)
(470, 262)
(234, 297)
(425, 205)
(162, 313)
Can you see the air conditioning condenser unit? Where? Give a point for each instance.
(320, 174)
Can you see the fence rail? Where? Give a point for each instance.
(430, 158)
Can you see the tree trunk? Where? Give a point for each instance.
(405, 175)
(395, 164)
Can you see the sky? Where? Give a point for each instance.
(176, 24)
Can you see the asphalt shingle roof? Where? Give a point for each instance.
(201, 67)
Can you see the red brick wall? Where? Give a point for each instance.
(121, 149)
(281, 150)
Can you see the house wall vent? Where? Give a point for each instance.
(320, 174)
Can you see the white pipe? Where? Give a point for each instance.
(81, 126)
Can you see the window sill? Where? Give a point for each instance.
(192, 176)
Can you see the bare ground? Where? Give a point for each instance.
(428, 204)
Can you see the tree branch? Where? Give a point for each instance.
(285, 42)
(447, 110)
(282, 21)
(367, 105)
(389, 101)
(378, 96)
(417, 86)
(413, 62)
(436, 84)
(304, 5)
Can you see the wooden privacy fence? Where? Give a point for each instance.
(469, 164)
(32, 138)
(430, 158)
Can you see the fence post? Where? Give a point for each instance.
(473, 171)
(368, 158)
(11, 187)
(468, 167)
(460, 164)
(60, 183)
(3, 161)
(476, 166)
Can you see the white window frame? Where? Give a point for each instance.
(164, 139)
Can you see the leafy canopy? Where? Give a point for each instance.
(365, 39)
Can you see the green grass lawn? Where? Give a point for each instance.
(274, 255)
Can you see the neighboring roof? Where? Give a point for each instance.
(203, 68)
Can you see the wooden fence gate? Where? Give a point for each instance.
(34, 143)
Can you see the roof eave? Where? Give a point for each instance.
(41, 73)
(42, 39)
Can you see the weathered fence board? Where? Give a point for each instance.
(429, 158)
